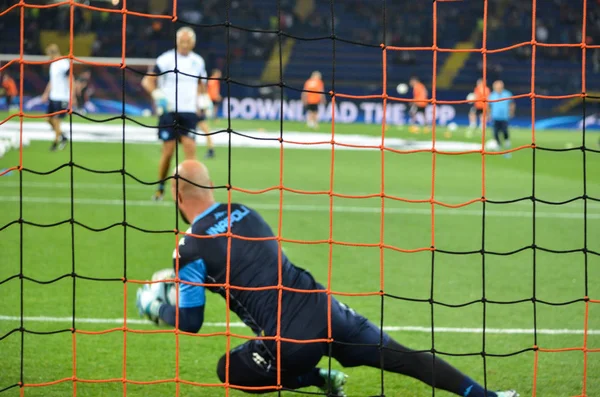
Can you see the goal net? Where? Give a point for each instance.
(485, 254)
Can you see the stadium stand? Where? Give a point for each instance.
(358, 69)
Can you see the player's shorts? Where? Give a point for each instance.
(312, 107)
(57, 106)
(175, 125)
(357, 342)
(414, 110)
(204, 114)
(252, 364)
(477, 111)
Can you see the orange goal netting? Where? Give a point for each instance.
(333, 96)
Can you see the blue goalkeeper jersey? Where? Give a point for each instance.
(253, 264)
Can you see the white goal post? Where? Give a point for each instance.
(110, 60)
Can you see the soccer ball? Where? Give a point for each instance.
(402, 88)
(491, 145)
(471, 97)
(166, 291)
(452, 126)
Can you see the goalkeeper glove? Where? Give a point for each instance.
(160, 102)
(148, 303)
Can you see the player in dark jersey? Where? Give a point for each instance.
(253, 262)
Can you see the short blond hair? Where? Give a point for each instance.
(52, 49)
(188, 30)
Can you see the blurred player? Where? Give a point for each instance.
(83, 89)
(214, 91)
(178, 116)
(480, 93)
(57, 94)
(10, 89)
(420, 95)
(255, 261)
(311, 100)
(205, 109)
(501, 112)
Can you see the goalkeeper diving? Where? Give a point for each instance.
(254, 264)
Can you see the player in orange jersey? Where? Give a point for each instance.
(214, 91)
(10, 89)
(311, 98)
(420, 96)
(480, 94)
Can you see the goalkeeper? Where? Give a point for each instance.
(254, 264)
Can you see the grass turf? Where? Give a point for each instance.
(456, 279)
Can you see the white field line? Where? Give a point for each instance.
(83, 132)
(119, 321)
(314, 208)
(131, 186)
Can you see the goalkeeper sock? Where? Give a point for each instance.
(311, 378)
(161, 187)
(470, 388)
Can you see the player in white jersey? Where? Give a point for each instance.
(57, 94)
(176, 100)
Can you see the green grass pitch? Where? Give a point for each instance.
(457, 279)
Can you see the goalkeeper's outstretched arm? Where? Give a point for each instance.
(190, 318)
(152, 304)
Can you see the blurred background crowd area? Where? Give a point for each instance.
(244, 49)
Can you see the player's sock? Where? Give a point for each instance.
(63, 141)
(470, 388)
(312, 378)
(506, 147)
(160, 192)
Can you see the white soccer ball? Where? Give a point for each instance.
(402, 88)
(452, 126)
(491, 145)
(167, 291)
(471, 97)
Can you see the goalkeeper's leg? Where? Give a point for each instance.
(360, 345)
